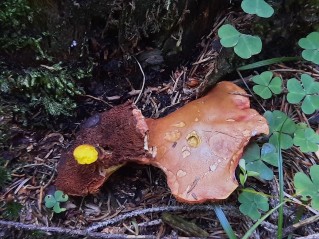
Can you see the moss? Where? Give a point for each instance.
(50, 88)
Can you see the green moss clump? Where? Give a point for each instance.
(51, 88)
(16, 19)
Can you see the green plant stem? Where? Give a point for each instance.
(263, 218)
(281, 190)
(224, 222)
(268, 62)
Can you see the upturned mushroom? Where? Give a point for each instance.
(118, 136)
(198, 146)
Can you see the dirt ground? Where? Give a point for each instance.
(132, 202)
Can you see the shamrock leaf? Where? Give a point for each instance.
(255, 160)
(60, 196)
(281, 128)
(311, 46)
(229, 35)
(244, 174)
(307, 92)
(266, 85)
(248, 46)
(58, 209)
(258, 7)
(252, 203)
(53, 201)
(306, 138)
(50, 201)
(307, 187)
(244, 45)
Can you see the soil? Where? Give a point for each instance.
(35, 153)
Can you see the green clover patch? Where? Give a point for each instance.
(229, 35)
(306, 138)
(308, 188)
(258, 7)
(244, 45)
(252, 203)
(310, 44)
(53, 201)
(306, 91)
(281, 128)
(266, 85)
(256, 158)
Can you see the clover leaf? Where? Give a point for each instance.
(306, 138)
(311, 46)
(248, 46)
(244, 174)
(266, 85)
(307, 91)
(280, 127)
(256, 158)
(252, 203)
(229, 35)
(307, 187)
(244, 45)
(258, 7)
(53, 201)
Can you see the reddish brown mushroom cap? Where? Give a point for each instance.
(199, 146)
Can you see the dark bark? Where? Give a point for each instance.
(171, 25)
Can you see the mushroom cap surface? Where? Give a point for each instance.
(199, 145)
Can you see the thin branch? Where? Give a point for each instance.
(89, 232)
(242, 78)
(297, 225)
(295, 200)
(70, 232)
(313, 236)
(143, 84)
(98, 99)
(150, 210)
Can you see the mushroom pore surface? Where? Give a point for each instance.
(118, 136)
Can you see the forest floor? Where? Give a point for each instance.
(133, 200)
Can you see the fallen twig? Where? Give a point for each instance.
(98, 99)
(297, 225)
(313, 236)
(143, 84)
(89, 232)
(150, 210)
(240, 75)
(71, 232)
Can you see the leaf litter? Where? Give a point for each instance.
(143, 187)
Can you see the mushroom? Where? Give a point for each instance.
(198, 146)
(117, 137)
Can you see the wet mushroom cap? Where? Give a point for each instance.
(199, 146)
